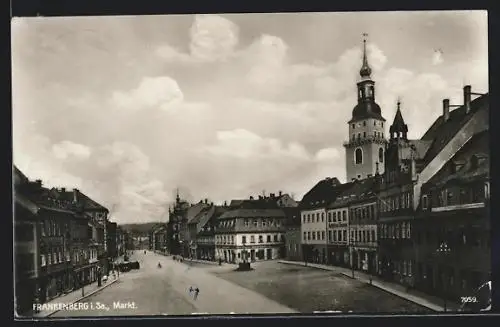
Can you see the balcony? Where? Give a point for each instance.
(364, 140)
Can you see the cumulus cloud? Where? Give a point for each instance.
(223, 108)
(67, 149)
(151, 91)
(213, 38)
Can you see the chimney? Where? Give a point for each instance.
(38, 182)
(260, 197)
(206, 201)
(225, 203)
(271, 195)
(251, 197)
(446, 109)
(467, 98)
(280, 193)
(75, 195)
(63, 189)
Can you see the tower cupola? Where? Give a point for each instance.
(398, 129)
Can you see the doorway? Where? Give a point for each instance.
(269, 254)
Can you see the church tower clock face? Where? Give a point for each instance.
(365, 148)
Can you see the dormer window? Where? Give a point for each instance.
(425, 202)
(474, 162)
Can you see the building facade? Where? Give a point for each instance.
(338, 230)
(363, 219)
(452, 227)
(250, 235)
(293, 237)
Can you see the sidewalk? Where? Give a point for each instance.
(425, 300)
(72, 297)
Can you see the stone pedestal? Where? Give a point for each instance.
(244, 266)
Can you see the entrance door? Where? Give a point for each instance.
(269, 254)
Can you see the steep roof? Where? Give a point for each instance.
(253, 213)
(194, 210)
(478, 144)
(323, 193)
(236, 203)
(441, 131)
(361, 189)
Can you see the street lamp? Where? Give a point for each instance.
(444, 249)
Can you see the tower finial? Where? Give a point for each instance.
(399, 103)
(177, 197)
(365, 69)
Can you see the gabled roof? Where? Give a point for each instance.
(194, 210)
(236, 203)
(361, 189)
(466, 172)
(441, 132)
(253, 213)
(322, 194)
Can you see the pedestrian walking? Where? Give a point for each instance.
(191, 290)
(196, 292)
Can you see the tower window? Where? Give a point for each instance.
(374, 123)
(358, 156)
(353, 126)
(380, 155)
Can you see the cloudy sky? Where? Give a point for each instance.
(222, 106)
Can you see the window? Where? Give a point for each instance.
(247, 223)
(49, 261)
(425, 203)
(263, 223)
(276, 238)
(403, 230)
(353, 126)
(261, 239)
(42, 260)
(364, 123)
(344, 215)
(364, 134)
(305, 236)
(344, 235)
(323, 235)
(252, 239)
(408, 230)
(374, 239)
(314, 236)
(322, 217)
(268, 238)
(255, 223)
(243, 239)
(359, 136)
(374, 123)
(318, 235)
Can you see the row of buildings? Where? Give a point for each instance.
(412, 211)
(245, 229)
(63, 240)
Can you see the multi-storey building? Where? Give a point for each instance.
(363, 216)
(255, 231)
(409, 164)
(111, 240)
(26, 246)
(159, 238)
(176, 225)
(366, 144)
(205, 238)
(293, 236)
(313, 207)
(192, 223)
(338, 229)
(452, 227)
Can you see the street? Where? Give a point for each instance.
(308, 289)
(165, 291)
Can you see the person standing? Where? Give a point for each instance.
(196, 292)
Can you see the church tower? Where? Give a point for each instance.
(365, 150)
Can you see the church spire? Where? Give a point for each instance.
(365, 70)
(398, 128)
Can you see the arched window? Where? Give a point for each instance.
(358, 156)
(380, 155)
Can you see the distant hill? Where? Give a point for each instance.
(138, 229)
